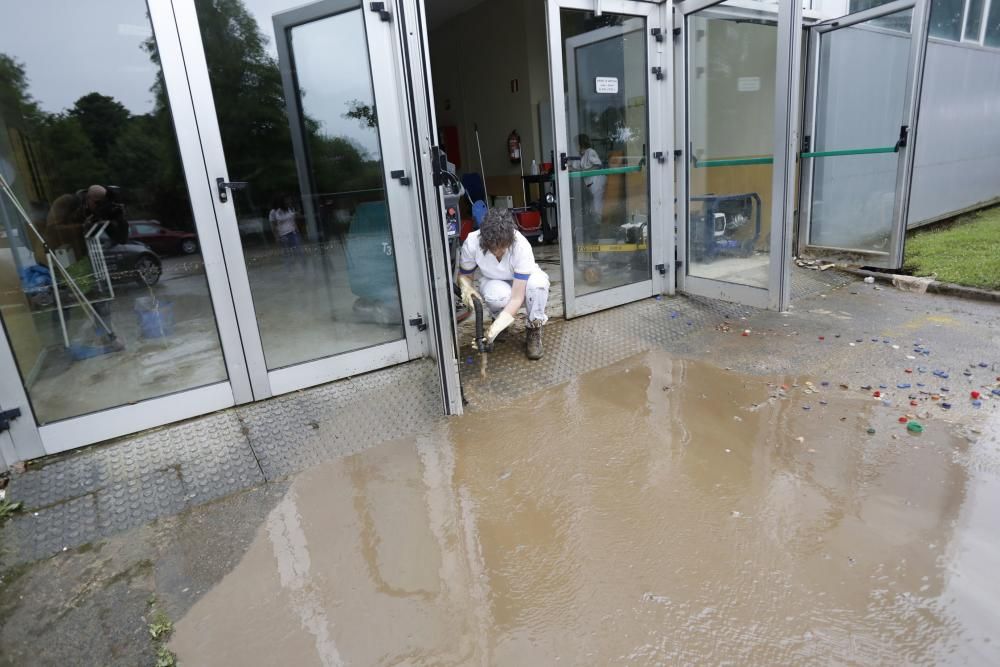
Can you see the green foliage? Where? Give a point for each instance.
(102, 119)
(966, 252)
(165, 657)
(8, 509)
(160, 627)
(98, 140)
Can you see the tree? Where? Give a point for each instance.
(362, 112)
(102, 118)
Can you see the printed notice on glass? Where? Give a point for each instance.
(748, 84)
(606, 84)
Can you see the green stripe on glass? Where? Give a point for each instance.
(850, 151)
(604, 172)
(740, 161)
(734, 162)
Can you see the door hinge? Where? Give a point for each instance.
(677, 32)
(904, 133)
(383, 13)
(662, 268)
(658, 71)
(678, 263)
(7, 416)
(657, 34)
(660, 157)
(439, 165)
(401, 176)
(678, 152)
(418, 322)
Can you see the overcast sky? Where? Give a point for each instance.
(70, 48)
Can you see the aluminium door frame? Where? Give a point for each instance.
(401, 200)
(658, 141)
(777, 295)
(919, 29)
(414, 60)
(31, 440)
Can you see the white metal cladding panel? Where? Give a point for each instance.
(958, 146)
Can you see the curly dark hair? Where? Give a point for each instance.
(497, 230)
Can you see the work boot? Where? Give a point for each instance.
(533, 341)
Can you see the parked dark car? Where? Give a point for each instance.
(163, 240)
(133, 262)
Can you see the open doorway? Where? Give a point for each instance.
(582, 181)
(490, 71)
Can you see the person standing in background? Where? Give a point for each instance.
(594, 185)
(284, 225)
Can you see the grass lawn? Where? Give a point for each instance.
(964, 251)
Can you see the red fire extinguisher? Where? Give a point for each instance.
(514, 147)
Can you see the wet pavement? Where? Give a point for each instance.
(724, 503)
(657, 511)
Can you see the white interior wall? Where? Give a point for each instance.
(474, 58)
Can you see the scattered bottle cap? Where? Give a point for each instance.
(914, 427)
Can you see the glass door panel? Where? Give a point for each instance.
(295, 103)
(607, 117)
(855, 153)
(601, 80)
(98, 313)
(730, 73)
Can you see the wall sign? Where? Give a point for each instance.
(748, 84)
(606, 84)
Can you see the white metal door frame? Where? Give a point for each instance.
(387, 82)
(658, 96)
(777, 295)
(31, 440)
(414, 61)
(919, 28)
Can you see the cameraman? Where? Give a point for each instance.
(100, 206)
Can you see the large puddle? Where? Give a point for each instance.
(657, 511)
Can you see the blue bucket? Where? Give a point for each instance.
(156, 317)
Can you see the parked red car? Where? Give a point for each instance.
(163, 240)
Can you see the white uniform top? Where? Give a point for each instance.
(591, 160)
(517, 263)
(284, 220)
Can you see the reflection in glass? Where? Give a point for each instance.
(730, 80)
(299, 125)
(605, 78)
(87, 150)
(859, 106)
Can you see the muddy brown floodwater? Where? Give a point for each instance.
(656, 511)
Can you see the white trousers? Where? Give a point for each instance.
(496, 295)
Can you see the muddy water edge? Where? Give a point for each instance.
(655, 511)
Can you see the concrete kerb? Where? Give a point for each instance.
(936, 286)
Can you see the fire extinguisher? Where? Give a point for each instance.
(514, 147)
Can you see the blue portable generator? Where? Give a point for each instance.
(718, 229)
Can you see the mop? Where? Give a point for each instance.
(54, 263)
(482, 170)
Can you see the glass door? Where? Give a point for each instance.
(301, 117)
(857, 155)
(115, 309)
(608, 78)
(738, 104)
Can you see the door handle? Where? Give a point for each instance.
(904, 133)
(223, 186)
(564, 159)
